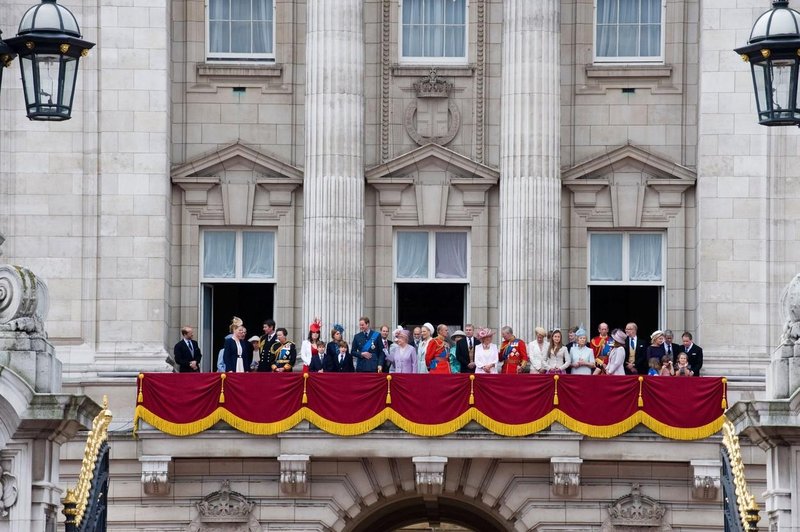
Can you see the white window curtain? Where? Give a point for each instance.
(240, 26)
(258, 254)
(645, 262)
(434, 28)
(412, 255)
(628, 28)
(219, 254)
(451, 255)
(606, 257)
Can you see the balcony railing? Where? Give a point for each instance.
(431, 405)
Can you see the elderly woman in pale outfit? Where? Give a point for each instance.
(402, 354)
(486, 354)
(537, 351)
(557, 359)
(581, 355)
(422, 348)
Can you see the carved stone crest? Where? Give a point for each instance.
(636, 512)
(790, 304)
(8, 492)
(225, 510)
(433, 117)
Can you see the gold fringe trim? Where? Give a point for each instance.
(505, 429)
(140, 397)
(439, 429)
(262, 429)
(222, 378)
(598, 431)
(178, 429)
(472, 390)
(640, 402)
(346, 429)
(678, 433)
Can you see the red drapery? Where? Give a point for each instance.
(348, 404)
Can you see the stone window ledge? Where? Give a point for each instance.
(239, 70)
(421, 71)
(615, 71)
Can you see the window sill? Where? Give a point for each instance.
(442, 70)
(239, 70)
(627, 70)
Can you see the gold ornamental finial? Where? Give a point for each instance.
(748, 507)
(79, 496)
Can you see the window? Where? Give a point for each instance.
(238, 255)
(431, 256)
(629, 258)
(629, 30)
(433, 31)
(241, 29)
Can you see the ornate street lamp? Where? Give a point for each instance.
(774, 55)
(49, 45)
(6, 56)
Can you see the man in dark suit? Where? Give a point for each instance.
(670, 348)
(366, 349)
(266, 343)
(693, 351)
(187, 352)
(636, 351)
(465, 349)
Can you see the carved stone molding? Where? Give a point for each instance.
(636, 512)
(566, 475)
(386, 78)
(225, 510)
(155, 474)
(8, 492)
(706, 474)
(480, 79)
(294, 473)
(790, 305)
(429, 474)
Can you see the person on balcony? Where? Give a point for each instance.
(422, 347)
(694, 353)
(683, 369)
(335, 360)
(486, 353)
(617, 357)
(656, 347)
(602, 344)
(402, 353)
(437, 354)
(187, 352)
(581, 355)
(557, 359)
(511, 347)
(537, 351)
(237, 352)
(283, 353)
(309, 349)
(366, 349)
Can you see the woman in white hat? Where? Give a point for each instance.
(422, 348)
(537, 351)
(486, 352)
(656, 348)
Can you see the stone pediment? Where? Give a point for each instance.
(628, 187)
(431, 172)
(226, 183)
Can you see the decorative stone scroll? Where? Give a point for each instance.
(566, 475)
(294, 473)
(225, 510)
(706, 475)
(790, 304)
(429, 474)
(636, 512)
(155, 474)
(8, 492)
(24, 300)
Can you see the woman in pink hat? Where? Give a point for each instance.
(616, 359)
(486, 352)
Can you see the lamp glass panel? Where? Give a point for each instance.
(70, 70)
(47, 72)
(47, 17)
(782, 70)
(760, 82)
(27, 79)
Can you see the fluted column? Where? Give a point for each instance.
(530, 185)
(333, 191)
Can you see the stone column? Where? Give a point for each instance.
(530, 184)
(333, 190)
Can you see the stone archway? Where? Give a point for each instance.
(395, 513)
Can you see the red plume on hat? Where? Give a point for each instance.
(315, 326)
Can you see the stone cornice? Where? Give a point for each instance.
(261, 164)
(654, 164)
(412, 160)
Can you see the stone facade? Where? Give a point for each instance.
(166, 143)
